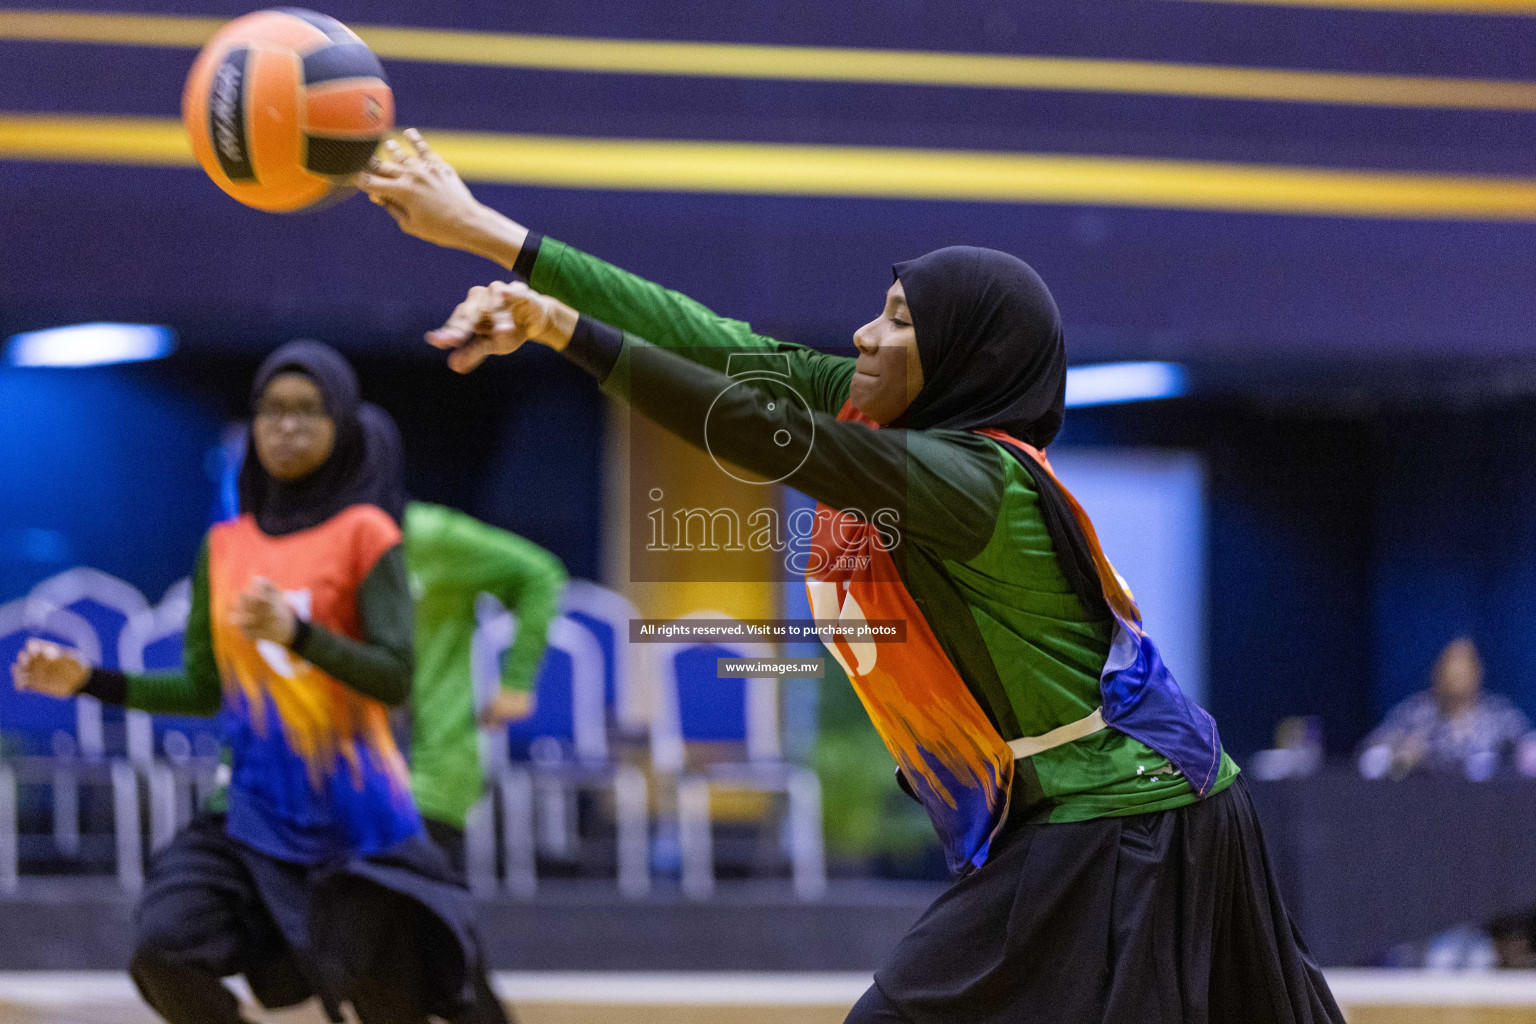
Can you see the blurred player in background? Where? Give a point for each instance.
(318, 878)
(452, 559)
(1110, 863)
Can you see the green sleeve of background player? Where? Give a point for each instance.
(529, 583)
(478, 558)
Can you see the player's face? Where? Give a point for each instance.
(294, 434)
(889, 373)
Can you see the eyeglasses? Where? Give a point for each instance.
(307, 416)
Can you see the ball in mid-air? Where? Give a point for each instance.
(283, 106)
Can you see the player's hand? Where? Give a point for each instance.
(507, 706)
(423, 193)
(49, 669)
(497, 319)
(262, 613)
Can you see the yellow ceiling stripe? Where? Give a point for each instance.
(111, 140)
(828, 64)
(1509, 7)
(862, 172)
(121, 29)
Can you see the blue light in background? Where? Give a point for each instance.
(101, 467)
(91, 345)
(1105, 383)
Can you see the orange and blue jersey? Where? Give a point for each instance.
(315, 767)
(315, 770)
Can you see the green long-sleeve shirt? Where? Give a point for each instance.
(975, 552)
(452, 559)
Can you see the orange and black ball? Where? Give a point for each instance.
(283, 106)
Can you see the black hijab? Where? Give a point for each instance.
(989, 338)
(990, 341)
(365, 466)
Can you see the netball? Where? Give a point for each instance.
(283, 106)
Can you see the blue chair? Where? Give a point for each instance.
(10, 851)
(607, 616)
(557, 752)
(693, 705)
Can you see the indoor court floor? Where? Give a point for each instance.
(1369, 997)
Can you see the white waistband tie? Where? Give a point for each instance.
(1029, 746)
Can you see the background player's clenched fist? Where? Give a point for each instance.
(49, 669)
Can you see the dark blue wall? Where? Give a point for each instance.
(106, 468)
(1290, 591)
(1455, 548)
(518, 443)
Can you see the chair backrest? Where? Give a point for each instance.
(568, 688)
(35, 717)
(607, 615)
(103, 600)
(694, 705)
(152, 640)
(107, 603)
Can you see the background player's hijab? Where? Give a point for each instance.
(365, 466)
(989, 338)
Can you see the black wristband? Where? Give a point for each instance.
(107, 685)
(595, 347)
(301, 634)
(523, 265)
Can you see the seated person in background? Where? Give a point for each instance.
(1453, 727)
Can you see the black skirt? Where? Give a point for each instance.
(1164, 918)
(296, 930)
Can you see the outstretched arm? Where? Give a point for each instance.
(429, 200)
(941, 489)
